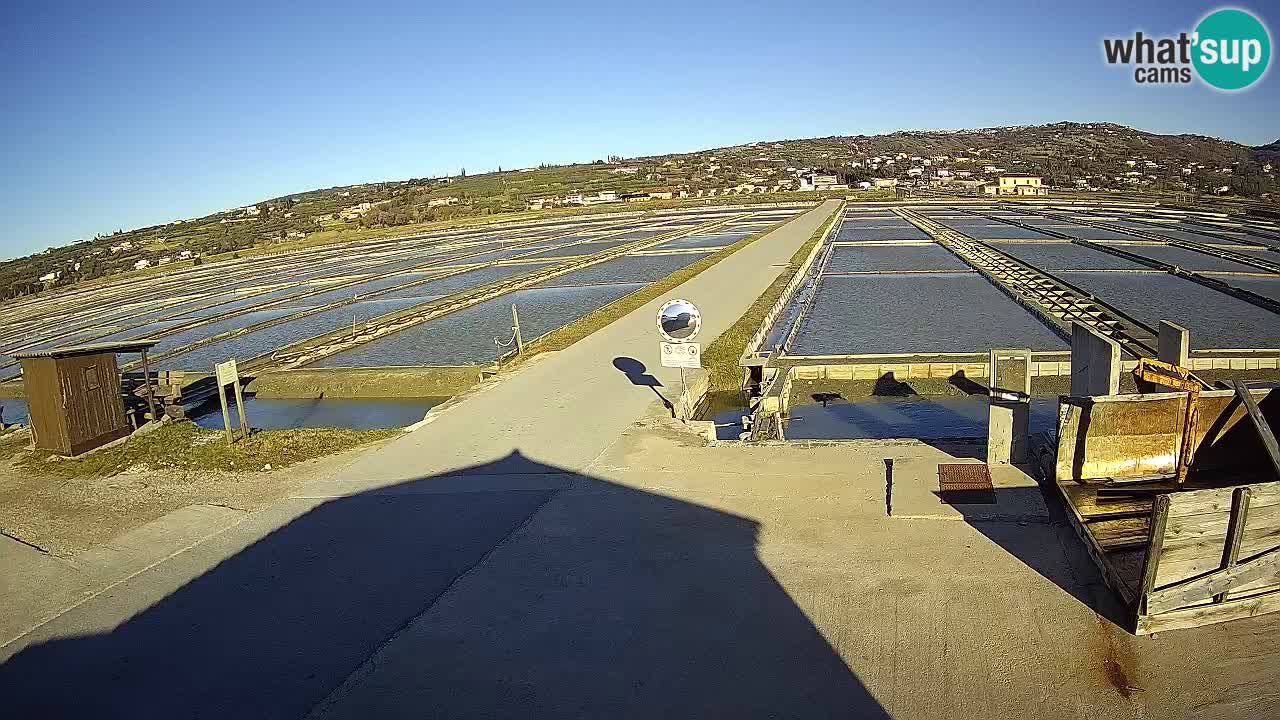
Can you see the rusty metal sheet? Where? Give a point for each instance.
(963, 477)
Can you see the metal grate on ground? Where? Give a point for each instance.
(963, 477)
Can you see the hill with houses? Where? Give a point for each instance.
(1071, 156)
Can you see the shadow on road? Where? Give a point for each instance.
(512, 589)
(1049, 546)
(639, 375)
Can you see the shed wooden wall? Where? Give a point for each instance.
(75, 402)
(94, 408)
(44, 404)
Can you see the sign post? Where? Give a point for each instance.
(679, 322)
(227, 374)
(515, 330)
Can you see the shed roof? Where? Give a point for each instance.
(128, 346)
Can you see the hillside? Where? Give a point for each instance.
(1088, 156)
(1267, 153)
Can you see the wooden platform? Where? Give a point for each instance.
(1205, 552)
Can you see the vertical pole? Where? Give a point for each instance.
(515, 327)
(1240, 499)
(146, 378)
(244, 424)
(1155, 547)
(226, 414)
(684, 398)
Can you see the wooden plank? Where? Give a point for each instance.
(1257, 587)
(1126, 565)
(1159, 477)
(1109, 574)
(1159, 516)
(1186, 532)
(1218, 500)
(1112, 534)
(1259, 423)
(1235, 532)
(1182, 563)
(1209, 547)
(1252, 543)
(1085, 500)
(1199, 588)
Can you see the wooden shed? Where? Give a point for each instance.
(73, 395)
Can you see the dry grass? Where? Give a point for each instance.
(186, 447)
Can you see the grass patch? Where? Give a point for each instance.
(721, 357)
(185, 446)
(567, 335)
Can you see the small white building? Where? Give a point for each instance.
(810, 182)
(1016, 185)
(600, 198)
(142, 264)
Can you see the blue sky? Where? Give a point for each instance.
(120, 115)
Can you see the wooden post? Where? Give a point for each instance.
(244, 424)
(1235, 532)
(226, 373)
(226, 415)
(515, 327)
(146, 378)
(1155, 547)
(1260, 424)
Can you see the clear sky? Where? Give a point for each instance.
(118, 116)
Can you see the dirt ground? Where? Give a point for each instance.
(65, 515)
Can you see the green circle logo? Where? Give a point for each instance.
(1232, 49)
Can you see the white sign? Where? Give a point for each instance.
(681, 355)
(679, 321)
(226, 372)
